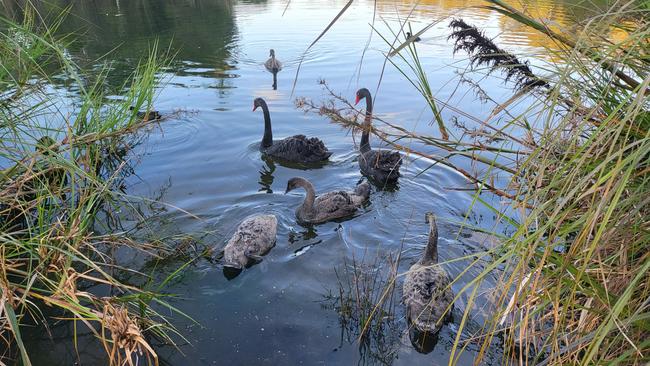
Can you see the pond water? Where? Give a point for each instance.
(204, 160)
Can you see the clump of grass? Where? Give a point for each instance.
(576, 283)
(56, 182)
(365, 303)
(574, 276)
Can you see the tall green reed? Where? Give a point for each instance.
(55, 178)
(573, 279)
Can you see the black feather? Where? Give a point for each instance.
(381, 165)
(299, 149)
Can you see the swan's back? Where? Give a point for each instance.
(256, 235)
(299, 148)
(380, 165)
(426, 294)
(273, 65)
(335, 205)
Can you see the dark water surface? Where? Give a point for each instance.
(205, 161)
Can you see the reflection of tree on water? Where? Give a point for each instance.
(124, 31)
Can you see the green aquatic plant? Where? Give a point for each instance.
(59, 176)
(365, 304)
(413, 70)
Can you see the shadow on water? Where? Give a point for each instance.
(275, 80)
(266, 175)
(295, 165)
(230, 273)
(423, 342)
(308, 233)
(391, 186)
(269, 167)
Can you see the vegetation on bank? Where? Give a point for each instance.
(573, 279)
(62, 170)
(575, 283)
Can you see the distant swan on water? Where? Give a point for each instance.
(272, 64)
(416, 39)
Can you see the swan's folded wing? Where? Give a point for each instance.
(334, 201)
(334, 205)
(389, 160)
(382, 160)
(300, 148)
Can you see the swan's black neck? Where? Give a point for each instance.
(267, 140)
(365, 136)
(431, 252)
(367, 123)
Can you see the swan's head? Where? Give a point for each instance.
(361, 94)
(272, 53)
(258, 102)
(430, 218)
(294, 183)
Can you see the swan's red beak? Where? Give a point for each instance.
(356, 100)
(254, 107)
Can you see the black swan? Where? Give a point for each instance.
(426, 292)
(296, 149)
(327, 206)
(254, 237)
(380, 165)
(416, 39)
(272, 64)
